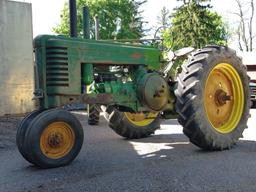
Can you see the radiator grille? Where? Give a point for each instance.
(57, 71)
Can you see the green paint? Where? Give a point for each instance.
(66, 68)
(87, 74)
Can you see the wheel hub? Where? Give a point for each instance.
(141, 119)
(221, 97)
(55, 140)
(224, 98)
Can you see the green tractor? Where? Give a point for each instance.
(210, 96)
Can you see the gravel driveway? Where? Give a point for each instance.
(164, 162)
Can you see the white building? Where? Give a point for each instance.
(249, 59)
(16, 58)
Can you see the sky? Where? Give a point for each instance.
(46, 13)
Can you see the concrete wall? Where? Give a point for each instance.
(16, 58)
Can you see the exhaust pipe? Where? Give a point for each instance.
(73, 18)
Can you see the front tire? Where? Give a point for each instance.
(53, 139)
(213, 98)
(21, 132)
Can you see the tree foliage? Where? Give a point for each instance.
(194, 24)
(163, 22)
(119, 19)
(164, 19)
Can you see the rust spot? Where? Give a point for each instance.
(101, 98)
(136, 55)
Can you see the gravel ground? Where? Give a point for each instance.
(163, 162)
(8, 127)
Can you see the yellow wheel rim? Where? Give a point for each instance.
(141, 119)
(57, 140)
(224, 98)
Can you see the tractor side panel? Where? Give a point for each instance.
(59, 60)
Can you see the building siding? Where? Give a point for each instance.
(16, 58)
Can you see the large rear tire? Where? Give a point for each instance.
(213, 98)
(132, 125)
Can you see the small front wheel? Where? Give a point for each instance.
(21, 132)
(53, 139)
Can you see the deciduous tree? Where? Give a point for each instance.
(245, 30)
(119, 19)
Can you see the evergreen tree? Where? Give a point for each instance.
(194, 24)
